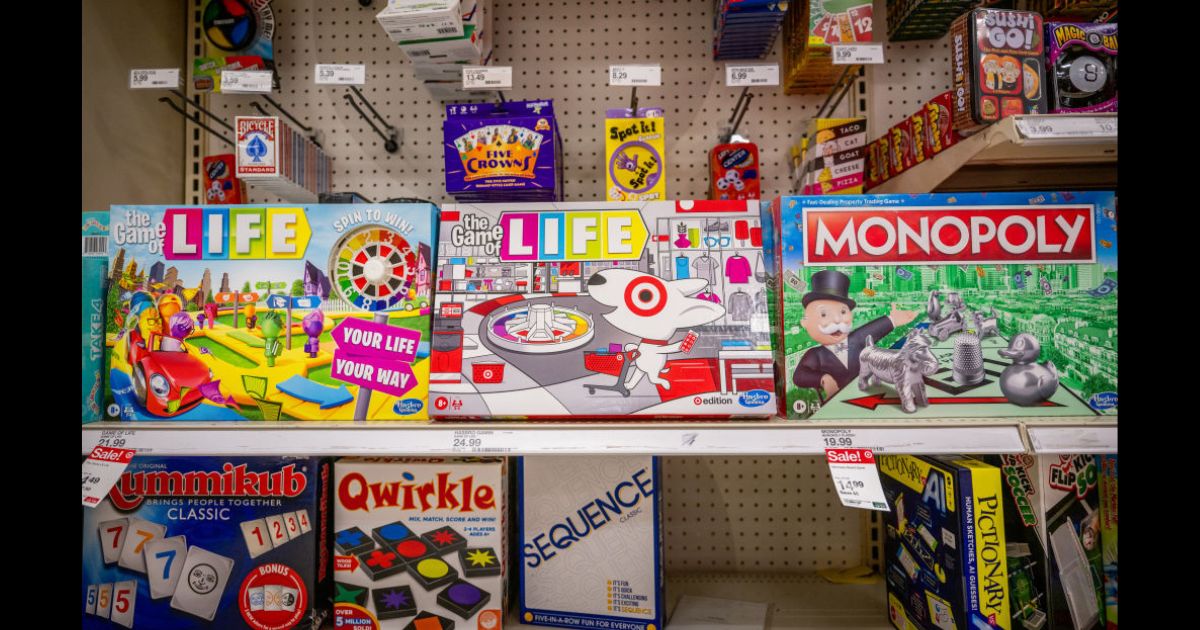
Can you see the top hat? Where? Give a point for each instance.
(829, 285)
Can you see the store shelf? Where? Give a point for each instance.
(774, 437)
(1099, 439)
(1001, 157)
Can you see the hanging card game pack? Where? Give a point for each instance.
(601, 310)
(590, 534)
(301, 312)
(996, 305)
(419, 543)
(945, 544)
(210, 542)
(502, 151)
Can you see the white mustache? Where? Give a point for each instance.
(829, 329)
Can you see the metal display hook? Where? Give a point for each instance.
(390, 142)
(195, 118)
(739, 112)
(313, 134)
(633, 101)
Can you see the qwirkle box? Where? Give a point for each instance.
(419, 543)
(1001, 305)
(591, 542)
(306, 312)
(945, 544)
(601, 310)
(996, 66)
(210, 542)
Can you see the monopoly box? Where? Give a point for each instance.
(420, 543)
(305, 312)
(590, 532)
(601, 310)
(945, 543)
(999, 305)
(210, 542)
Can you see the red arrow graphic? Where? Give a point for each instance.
(875, 400)
(345, 563)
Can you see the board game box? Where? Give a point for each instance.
(1070, 506)
(1025, 533)
(210, 542)
(984, 305)
(601, 310)
(590, 532)
(304, 312)
(996, 66)
(1108, 536)
(420, 543)
(945, 543)
(94, 242)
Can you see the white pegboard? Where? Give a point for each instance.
(558, 50)
(758, 514)
(914, 72)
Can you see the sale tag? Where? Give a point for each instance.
(153, 78)
(487, 77)
(246, 81)
(1066, 126)
(855, 478)
(340, 74)
(844, 54)
(104, 465)
(755, 75)
(638, 75)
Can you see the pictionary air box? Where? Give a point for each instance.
(1070, 506)
(94, 276)
(601, 310)
(1025, 533)
(210, 542)
(419, 543)
(945, 544)
(996, 66)
(290, 312)
(984, 305)
(591, 542)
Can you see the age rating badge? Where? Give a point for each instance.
(856, 478)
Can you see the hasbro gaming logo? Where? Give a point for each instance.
(754, 398)
(1103, 401)
(408, 406)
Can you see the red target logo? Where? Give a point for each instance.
(646, 296)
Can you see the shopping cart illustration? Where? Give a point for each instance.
(614, 363)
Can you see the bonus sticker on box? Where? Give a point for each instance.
(210, 542)
(419, 543)
(305, 312)
(996, 304)
(591, 540)
(601, 310)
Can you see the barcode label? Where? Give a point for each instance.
(95, 246)
(418, 53)
(448, 30)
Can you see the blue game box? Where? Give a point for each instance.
(210, 542)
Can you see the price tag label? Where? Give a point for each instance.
(639, 75)
(838, 438)
(856, 478)
(246, 81)
(487, 77)
(340, 74)
(1066, 126)
(153, 78)
(755, 75)
(104, 465)
(846, 54)
(481, 441)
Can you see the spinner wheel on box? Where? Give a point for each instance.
(373, 268)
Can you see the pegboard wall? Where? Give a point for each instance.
(558, 50)
(914, 72)
(760, 514)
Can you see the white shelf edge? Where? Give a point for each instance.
(713, 438)
(1098, 439)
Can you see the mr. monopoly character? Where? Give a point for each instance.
(828, 316)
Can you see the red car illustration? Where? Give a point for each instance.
(164, 372)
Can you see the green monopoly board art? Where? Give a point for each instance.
(969, 305)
